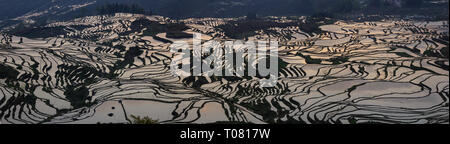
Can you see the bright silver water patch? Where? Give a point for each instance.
(213, 58)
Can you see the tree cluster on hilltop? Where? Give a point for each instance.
(120, 8)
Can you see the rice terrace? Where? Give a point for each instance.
(332, 68)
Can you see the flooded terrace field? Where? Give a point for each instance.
(116, 70)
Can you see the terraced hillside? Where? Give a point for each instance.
(110, 69)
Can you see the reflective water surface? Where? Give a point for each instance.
(111, 70)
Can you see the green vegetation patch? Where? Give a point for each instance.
(143, 120)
